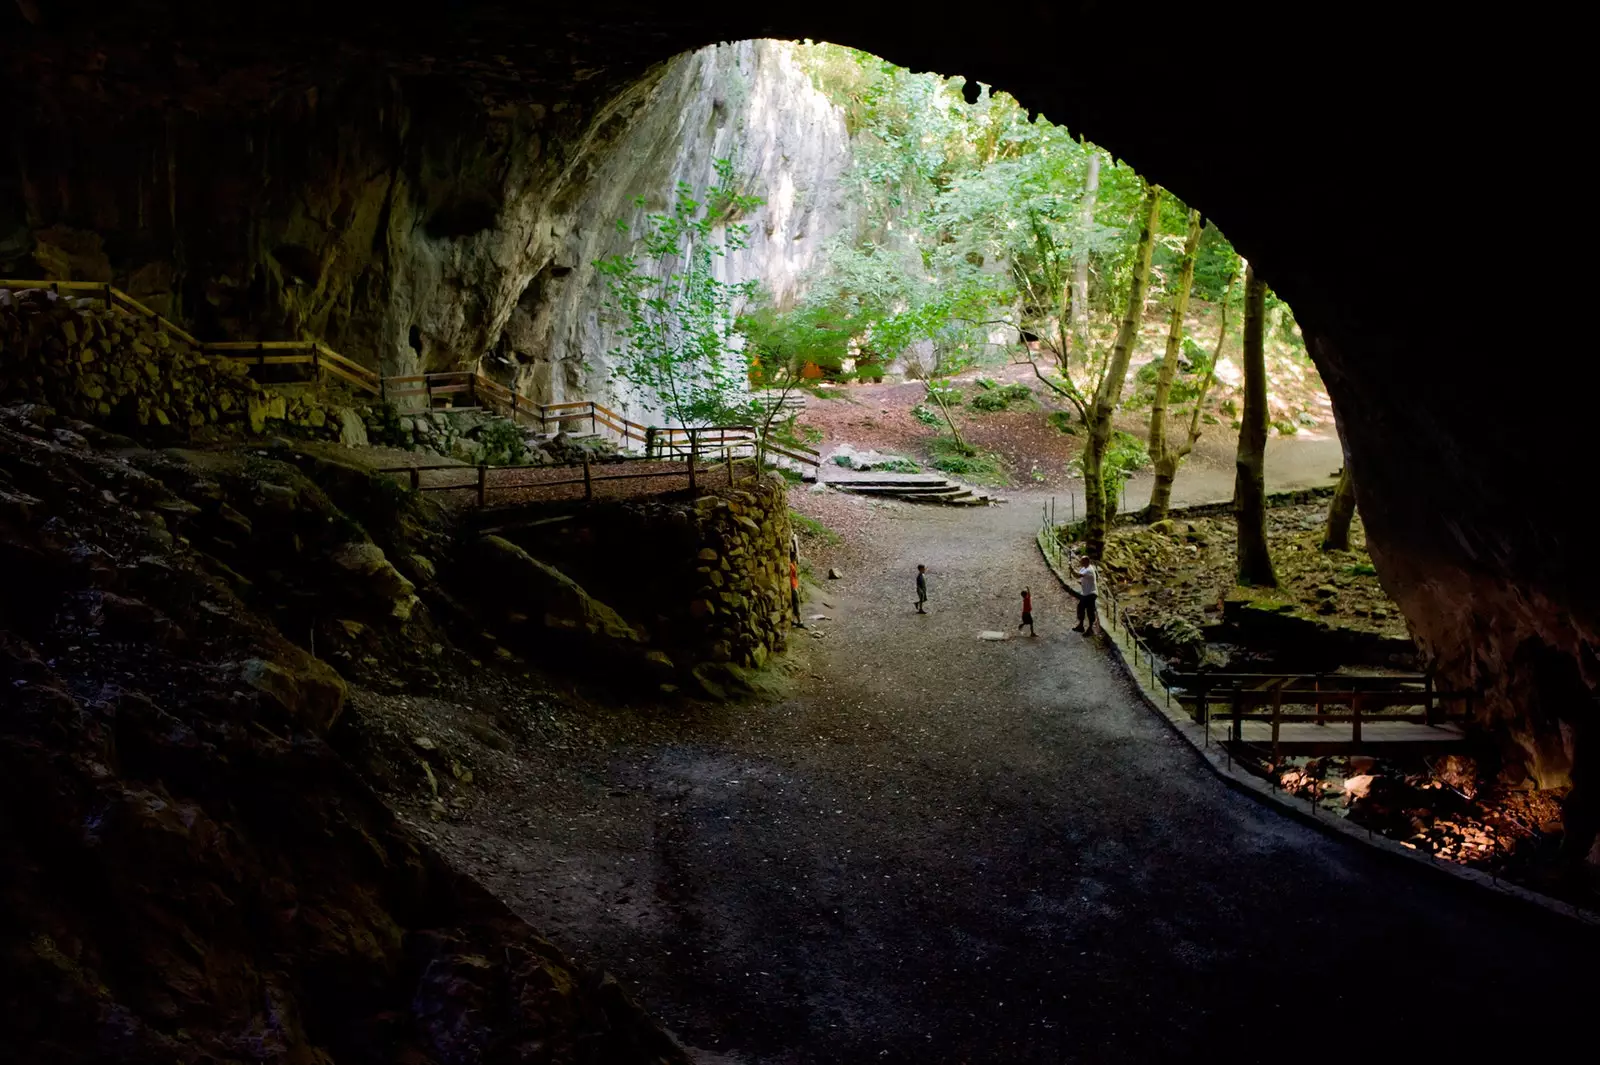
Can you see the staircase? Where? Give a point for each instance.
(911, 487)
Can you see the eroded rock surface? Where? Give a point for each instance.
(192, 873)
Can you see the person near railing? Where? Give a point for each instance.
(1088, 580)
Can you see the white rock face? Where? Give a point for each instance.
(748, 102)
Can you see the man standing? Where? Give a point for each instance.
(1086, 598)
(922, 588)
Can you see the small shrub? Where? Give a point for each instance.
(812, 529)
(996, 399)
(502, 444)
(810, 434)
(986, 382)
(964, 460)
(1360, 569)
(1230, 407)
(899, 466)
(1064, 421)
(922, 413)
(1286, 428)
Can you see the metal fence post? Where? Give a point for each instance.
(588, 480)
(694, 456)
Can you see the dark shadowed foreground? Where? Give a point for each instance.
(951, 850)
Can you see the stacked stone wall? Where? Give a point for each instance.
(126, 373)
(705, 579)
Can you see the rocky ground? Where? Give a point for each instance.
(1176, 583)
(193, 871)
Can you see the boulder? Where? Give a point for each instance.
(306, 688)
(515, 585)
(352, 430)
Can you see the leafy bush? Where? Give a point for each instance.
(502, 444)
(922, 413)
(1126, 454)
(1286, 428)
(964, 460)
(986, 382)
(1064, 421)
(1360, 569)
(997, 399)
(899, 466)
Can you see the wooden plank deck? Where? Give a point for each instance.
(1335, 736)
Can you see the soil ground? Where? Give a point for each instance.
(939, 849)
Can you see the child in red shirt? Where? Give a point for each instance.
(1027, 613)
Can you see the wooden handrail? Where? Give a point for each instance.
(345, 368)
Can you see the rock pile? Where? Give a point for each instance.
(126, 373)
(481, 437)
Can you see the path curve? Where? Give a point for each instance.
(945, 850)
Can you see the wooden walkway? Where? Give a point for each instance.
(1337, 737)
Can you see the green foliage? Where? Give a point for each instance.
(503, 444)
(1285, 428)
(926, 415)
(1360, 569)
(898, 465)
(1064, 420)
(676, 317)
(964, 460)
(1126, 454)
(997, 399)
(812, 529)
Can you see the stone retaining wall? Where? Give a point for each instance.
(705, 579)
(124, 373)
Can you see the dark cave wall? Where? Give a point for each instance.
(398, 217)
(1340, 150)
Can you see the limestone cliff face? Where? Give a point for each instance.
(748, 103)
(411, 223)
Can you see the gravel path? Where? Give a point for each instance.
(945, 850)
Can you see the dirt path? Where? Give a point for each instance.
(944, 850)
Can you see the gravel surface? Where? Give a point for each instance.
(936, 849)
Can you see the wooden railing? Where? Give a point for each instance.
(1280, 692)
(321, 358)
(463, 389)
(313, 353)
(480, 483)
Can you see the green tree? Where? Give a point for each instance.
(1159, 448)
(1097, 416)
(677, 319)
(1341, 510)
(1166, 464)
(1249, 485)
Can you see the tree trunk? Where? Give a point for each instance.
(1106, 397)
(1080, 265)
(1166, 465)
(1169, 370)
(1249, 485)
(1340, 510)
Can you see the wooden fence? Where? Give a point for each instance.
(313, 353)
(474, 389)
(478, 480)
